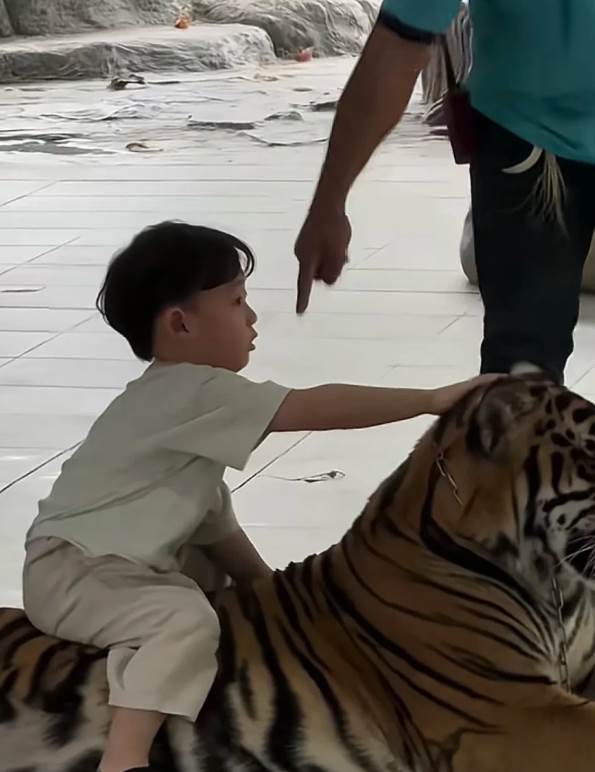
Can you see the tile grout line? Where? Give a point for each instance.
(45, 308)
(581, 377)
(374, 252)
(50, 250)
(270, 463)
(30, 193)
(227, 180)
(49, 340)
(37, 468)
(31, 260)
(100, 228)
(451, 323)
(157, 209)
(59, 386)
(84, 321)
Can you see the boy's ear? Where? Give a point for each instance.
(174, 320)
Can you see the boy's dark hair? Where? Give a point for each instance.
(165, 265)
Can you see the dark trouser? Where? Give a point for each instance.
(529, 266)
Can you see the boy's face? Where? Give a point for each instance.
(216, 327)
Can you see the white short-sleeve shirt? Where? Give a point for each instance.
(149, 475)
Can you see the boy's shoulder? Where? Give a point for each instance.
(186, 390)
(194, 409)
(182, 383)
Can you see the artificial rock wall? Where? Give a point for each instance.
(55, 17)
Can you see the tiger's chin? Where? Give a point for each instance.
(580, 557)
(539, 564)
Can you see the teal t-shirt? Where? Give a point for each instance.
(533, 65)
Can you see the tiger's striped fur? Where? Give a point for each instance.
(425, 641)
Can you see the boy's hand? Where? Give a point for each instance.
(441, 400)
(341, 406)
(236, 556)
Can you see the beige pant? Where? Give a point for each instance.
(160, 629)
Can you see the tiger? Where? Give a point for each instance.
(452, 628)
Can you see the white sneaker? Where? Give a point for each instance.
(525, 368)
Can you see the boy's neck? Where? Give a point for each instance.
(165, 362)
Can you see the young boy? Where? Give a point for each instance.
(114, 556)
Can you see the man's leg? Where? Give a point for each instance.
(529, 266)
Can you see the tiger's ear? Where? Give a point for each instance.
(497, 419)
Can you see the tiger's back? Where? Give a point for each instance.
(292, 693)
(278, 702)
(427, 640)
(53, 694)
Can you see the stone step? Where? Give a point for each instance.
(105, 53)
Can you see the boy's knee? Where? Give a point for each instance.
(190, 619)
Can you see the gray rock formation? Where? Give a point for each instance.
(159, 11)
(5, 24)
(330, 27)
(146, 49)
(56, 17)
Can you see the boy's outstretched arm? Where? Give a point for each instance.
(339, 406)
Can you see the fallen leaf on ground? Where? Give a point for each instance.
(120, 82)
(142, 147)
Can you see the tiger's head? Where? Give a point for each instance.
(509, 479)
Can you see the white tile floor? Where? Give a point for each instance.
(402, 315)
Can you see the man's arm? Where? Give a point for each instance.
(372, 104)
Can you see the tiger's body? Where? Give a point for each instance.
(427, 640)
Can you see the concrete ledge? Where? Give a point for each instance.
(146, 49)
